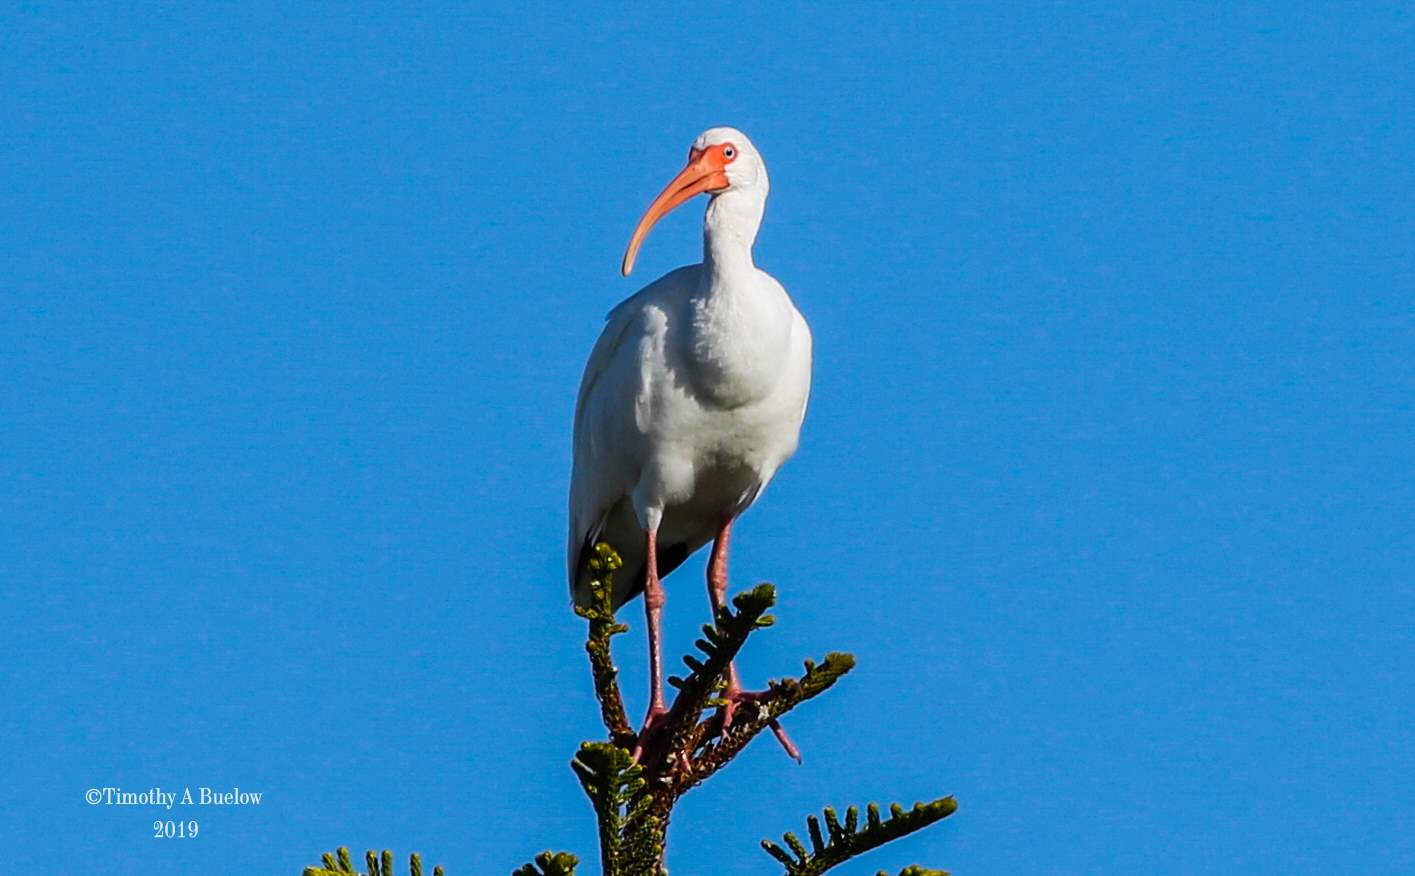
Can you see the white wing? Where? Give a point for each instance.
(609, 443)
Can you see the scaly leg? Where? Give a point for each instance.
(717, 592)
(653, 608)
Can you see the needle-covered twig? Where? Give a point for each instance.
(720, 644)
(630, 838)
(603, 628)
(781, 697)
(340, 863)
(551, 864)
(841, 842)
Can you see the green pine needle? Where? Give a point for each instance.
(840, 843)
(550, 864)
(341, 863)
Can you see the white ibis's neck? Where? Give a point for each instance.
(729, 229)
(741, 319)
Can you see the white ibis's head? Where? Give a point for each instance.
(719, 161)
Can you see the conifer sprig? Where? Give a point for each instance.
(841, 842)
(781, 697)
(603, 628)
(340, 863)
(629, 834)
(706, 677)
(551, 864)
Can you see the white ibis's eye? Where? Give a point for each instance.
(729, 153)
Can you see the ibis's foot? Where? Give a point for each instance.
(734, 697)
(654, 724)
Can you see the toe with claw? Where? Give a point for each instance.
(734, 698)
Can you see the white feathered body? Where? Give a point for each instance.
(691, 400)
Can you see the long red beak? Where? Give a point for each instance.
(704, 173)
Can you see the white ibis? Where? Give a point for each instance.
(691, 400)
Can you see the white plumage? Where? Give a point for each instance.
(694, 394)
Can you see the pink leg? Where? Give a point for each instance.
(717, 592)
(653, 608)
(717, 566)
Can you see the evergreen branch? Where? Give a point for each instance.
(720, 645)
(552, 864)
(846, 842)
(644, 842)
(780, 698)
(603, 628)
(633, 801)
(631, 838)
(341, 863)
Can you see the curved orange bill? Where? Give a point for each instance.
(704, 173)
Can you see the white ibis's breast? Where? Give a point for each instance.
(727, 393)
(692, 399)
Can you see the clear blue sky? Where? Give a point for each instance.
(1107, 477)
